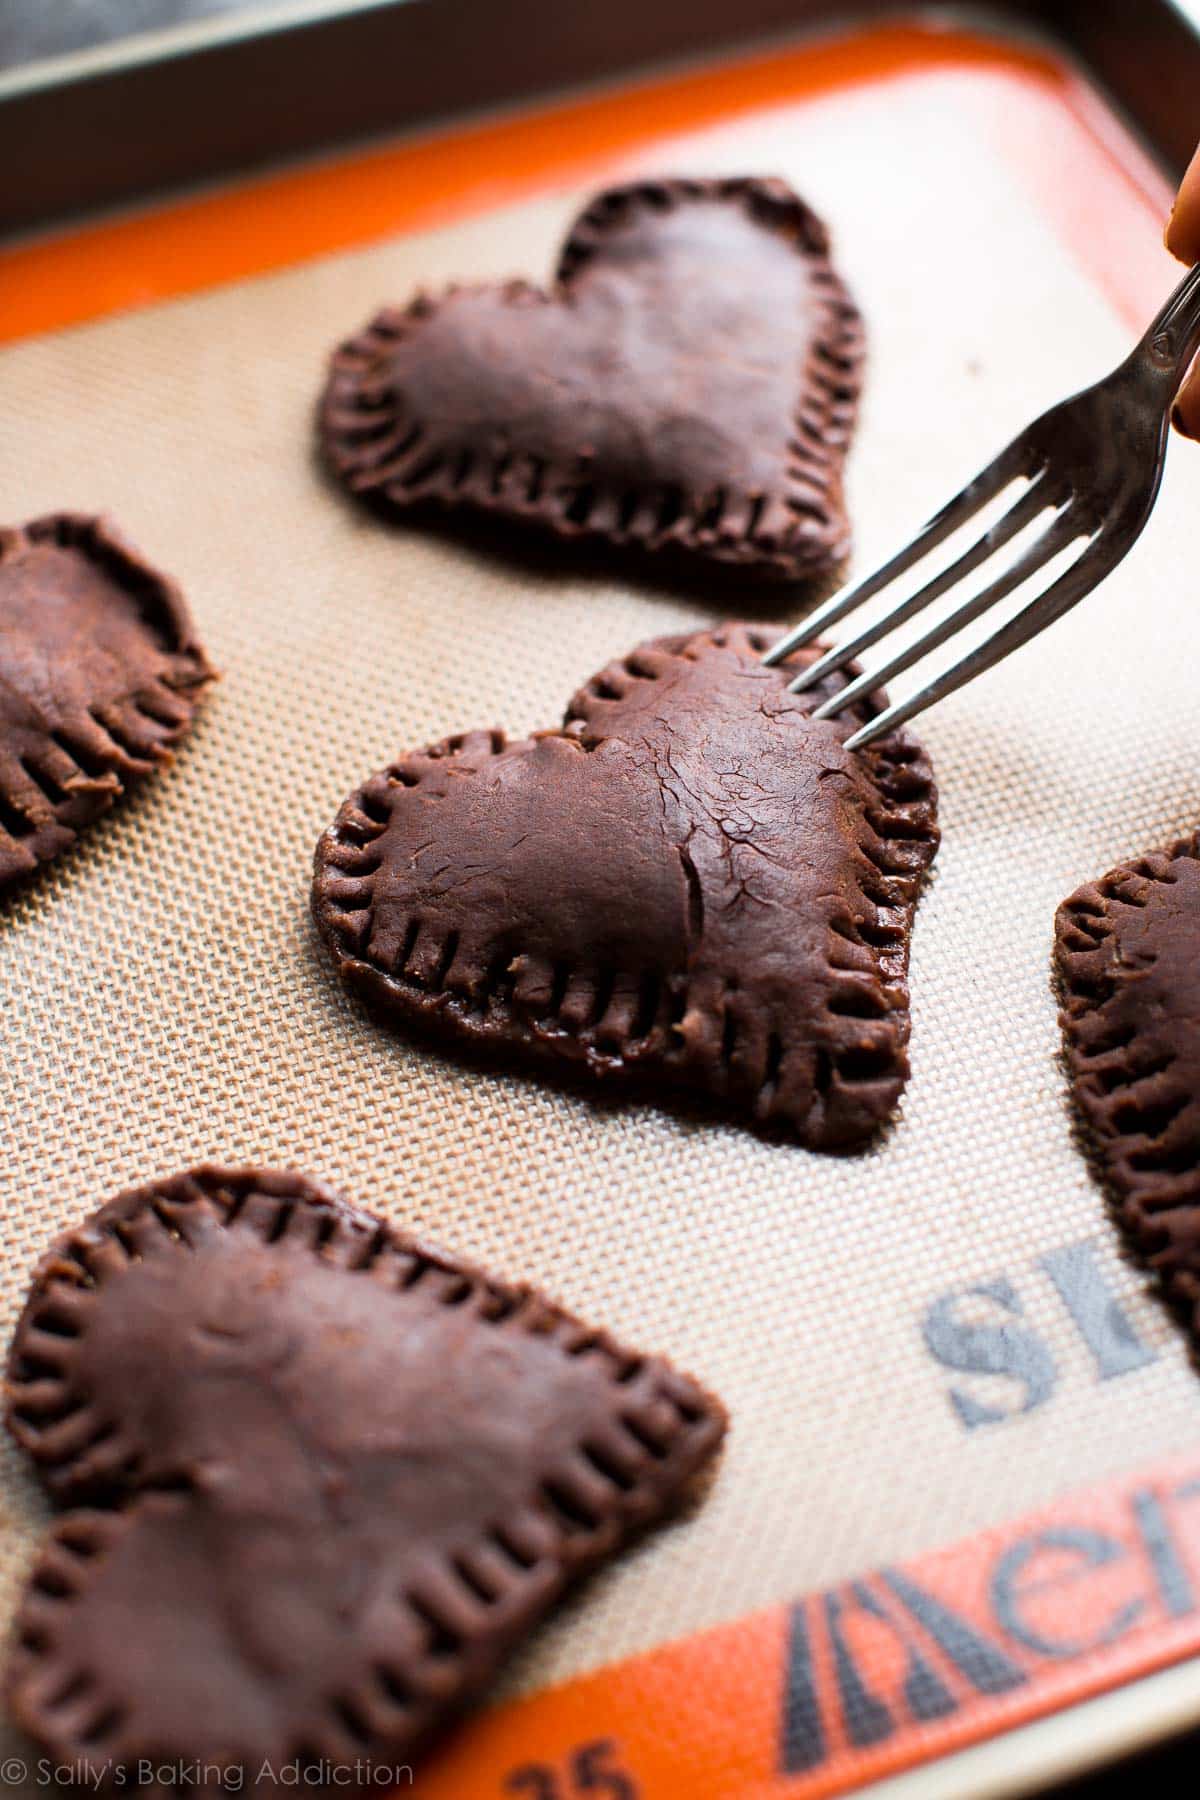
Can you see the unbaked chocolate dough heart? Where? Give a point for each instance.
(1127, 953)
(688, 384)
(100, 673)
(321, 1479)
(691, 885)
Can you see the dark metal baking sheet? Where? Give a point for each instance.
(31, 31)
(237, 88)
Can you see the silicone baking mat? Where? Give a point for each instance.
(937, 1343)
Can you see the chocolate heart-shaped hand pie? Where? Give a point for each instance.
(322, 1478)
(100, 673)
(1128, 958)
(688, 384)
(692, 884)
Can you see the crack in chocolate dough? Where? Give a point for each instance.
(691, 887)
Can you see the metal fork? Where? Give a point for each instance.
(1094, 461)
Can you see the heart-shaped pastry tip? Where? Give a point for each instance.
(692, 886)
(689, 384)
(100, 673)
(321, 1479)
(1126, 957)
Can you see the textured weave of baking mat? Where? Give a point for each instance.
(164, 999)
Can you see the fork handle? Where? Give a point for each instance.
(1173, 338)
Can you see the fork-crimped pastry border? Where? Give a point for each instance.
(1138, 1105)
(629, 1030)
(468, 1607)
(83, 762)
(383, 453)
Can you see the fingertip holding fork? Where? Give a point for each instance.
(1095, 462)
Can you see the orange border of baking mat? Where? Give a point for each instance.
(269, 223)
(873, 1676)
(906, 1664)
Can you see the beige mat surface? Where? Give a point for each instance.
(165, 1000)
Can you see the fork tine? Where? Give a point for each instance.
(1023, 511)
(1071, 586)
(1056, 537)
(1012, 461)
